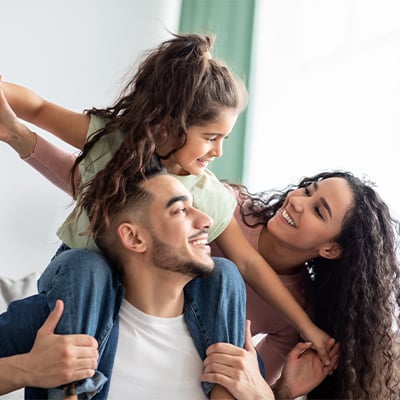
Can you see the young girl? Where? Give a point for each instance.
(333, 243)
(181, 104)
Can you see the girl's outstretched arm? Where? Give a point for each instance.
(69, 126)
(264, 280)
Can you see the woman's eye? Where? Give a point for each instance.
(211, 139)
(307, 191)
(318, 212)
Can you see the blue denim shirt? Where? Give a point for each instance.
(214, 311)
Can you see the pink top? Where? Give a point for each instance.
(53, 163)
(281, 336)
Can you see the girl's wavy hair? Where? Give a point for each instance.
(178, 85)
(357, 297)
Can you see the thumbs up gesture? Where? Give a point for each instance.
(58, 359)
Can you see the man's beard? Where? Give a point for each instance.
(170, 259)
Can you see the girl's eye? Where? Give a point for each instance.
(213, 139)
(307, 191)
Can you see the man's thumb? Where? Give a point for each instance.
(51, 322)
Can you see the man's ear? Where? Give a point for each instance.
(331, 251)
(131, 237)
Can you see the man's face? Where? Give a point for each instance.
(179, 231)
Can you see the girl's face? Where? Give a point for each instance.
(203, 145)
(312, 217)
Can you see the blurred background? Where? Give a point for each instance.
(323, 80)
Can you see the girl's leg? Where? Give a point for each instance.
(18, 327)
(91, 292)
(215, 309)
(89, 287)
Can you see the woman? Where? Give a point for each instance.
(333, 242)
(348, 246)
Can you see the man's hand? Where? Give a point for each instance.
(237, 370)
(304, 370)
(58, 359)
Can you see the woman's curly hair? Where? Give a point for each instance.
(355, 298)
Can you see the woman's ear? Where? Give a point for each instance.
(131, 237)
(331, 251)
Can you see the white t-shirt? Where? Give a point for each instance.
(155, 359)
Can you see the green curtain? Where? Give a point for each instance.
(232, 23)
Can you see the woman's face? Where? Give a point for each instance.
(311, 217)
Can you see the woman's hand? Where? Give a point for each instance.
(12, 131)
(237, 370)
(303, 371)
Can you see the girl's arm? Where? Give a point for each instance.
(69, 126)
(264, 280)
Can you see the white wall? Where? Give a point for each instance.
(74, 53)
(326, 92)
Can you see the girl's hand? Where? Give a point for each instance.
(237, 370)
(303, 371)
(322, 343)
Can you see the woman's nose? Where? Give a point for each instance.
(297, 203)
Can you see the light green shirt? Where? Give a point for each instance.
(209, 194)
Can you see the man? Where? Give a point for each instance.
(159, 241)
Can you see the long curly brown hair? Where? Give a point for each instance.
(177, 85)
(356, 298)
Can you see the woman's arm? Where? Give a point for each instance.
(264, 280)
(69, 126)
(53, 360)
(52, 162)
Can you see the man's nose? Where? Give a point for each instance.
(203, 220)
